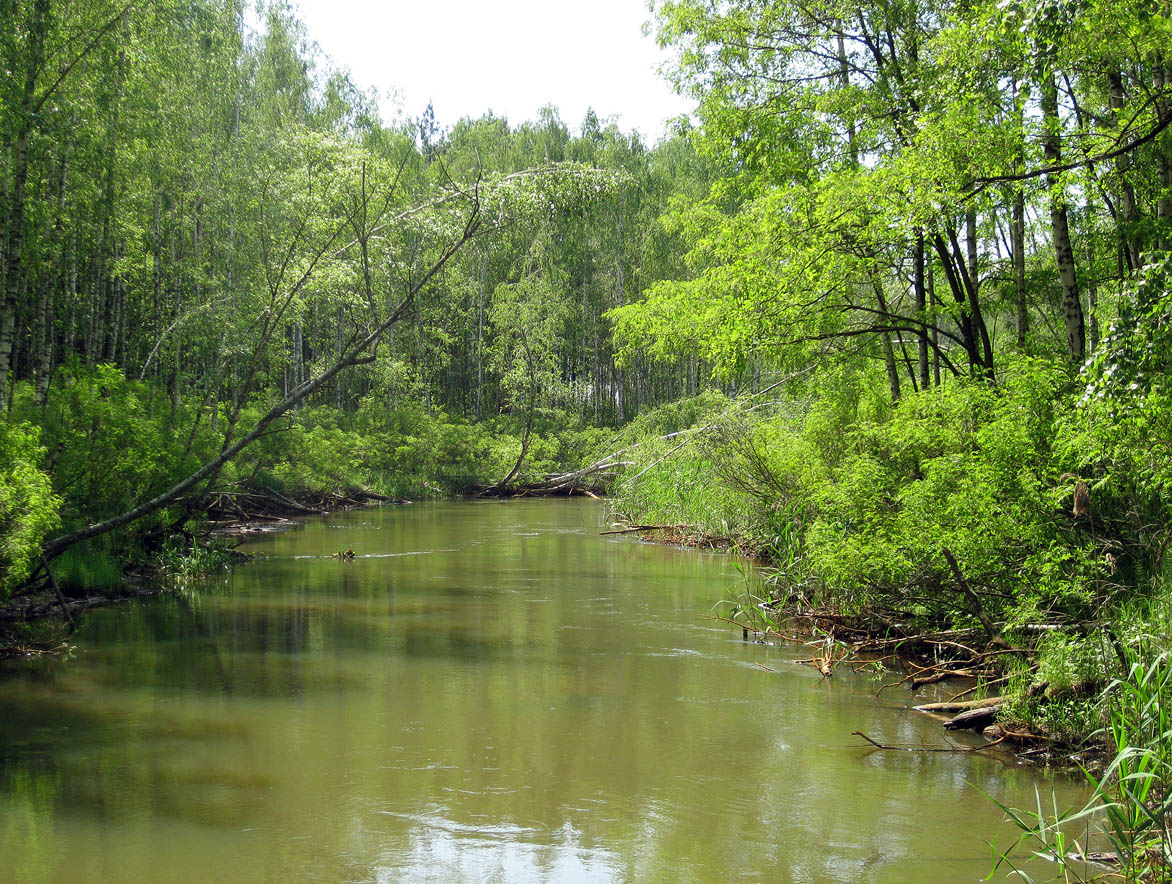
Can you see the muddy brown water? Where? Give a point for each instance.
(490, 691)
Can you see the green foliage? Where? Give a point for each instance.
(1068, 664)
(28, 506)
(671, 417)
(1050, 833)
(407, 451)
(182, 563)
(204, 214)
(1130, 370)
(528, 320)
(856, 499)
(109, 442)
(750, 606)
(113, 441)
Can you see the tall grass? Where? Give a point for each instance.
(1139, 779)
(1131, 800)
(88, 568)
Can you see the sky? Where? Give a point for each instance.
(508, 56)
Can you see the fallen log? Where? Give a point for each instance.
(562, 480)
(962, 706)
(634, 528)
(273, 500)
(974, 719)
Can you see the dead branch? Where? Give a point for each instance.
(986, 683)
(60, 597)
(958, 749)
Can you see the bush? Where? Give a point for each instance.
(28, 507)
(860, 497)
(113, 442)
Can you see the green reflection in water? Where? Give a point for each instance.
(491, 691)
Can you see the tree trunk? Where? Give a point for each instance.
(888, 349)
(1017, 234)
(482, 274)
(67, 339)
(844, 82)
(1127, 205)
(1072, 312)
(119, 357)
(157, 267)
(970, 240)
(1017, 226)
(1163, 79)
(935, 330)
(921, 294)
(46, 307)
(10, 301)
(974, 333)
(504, 483)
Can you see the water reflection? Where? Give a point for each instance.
(489, 691)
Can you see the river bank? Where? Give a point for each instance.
(40, 617)
(228, 517)
(978, 661)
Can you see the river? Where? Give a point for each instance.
(489, 691)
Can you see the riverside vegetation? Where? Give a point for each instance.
(893, 312)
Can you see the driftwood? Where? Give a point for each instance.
(588, 481)
(599, 468)
(1107, 859)
(918, 682)
(229, 498)
(925, 675)
(972, 714)
(239, 528)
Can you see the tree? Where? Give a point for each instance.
(528, 319)
(454, 218)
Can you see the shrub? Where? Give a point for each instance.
(28, 507)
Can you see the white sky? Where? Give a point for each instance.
(508, 56)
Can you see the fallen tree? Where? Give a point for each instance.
(460, 214)
(357, 354)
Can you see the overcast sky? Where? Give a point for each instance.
(510, 56)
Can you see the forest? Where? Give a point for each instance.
(892, 312)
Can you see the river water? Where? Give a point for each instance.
(490, 691)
